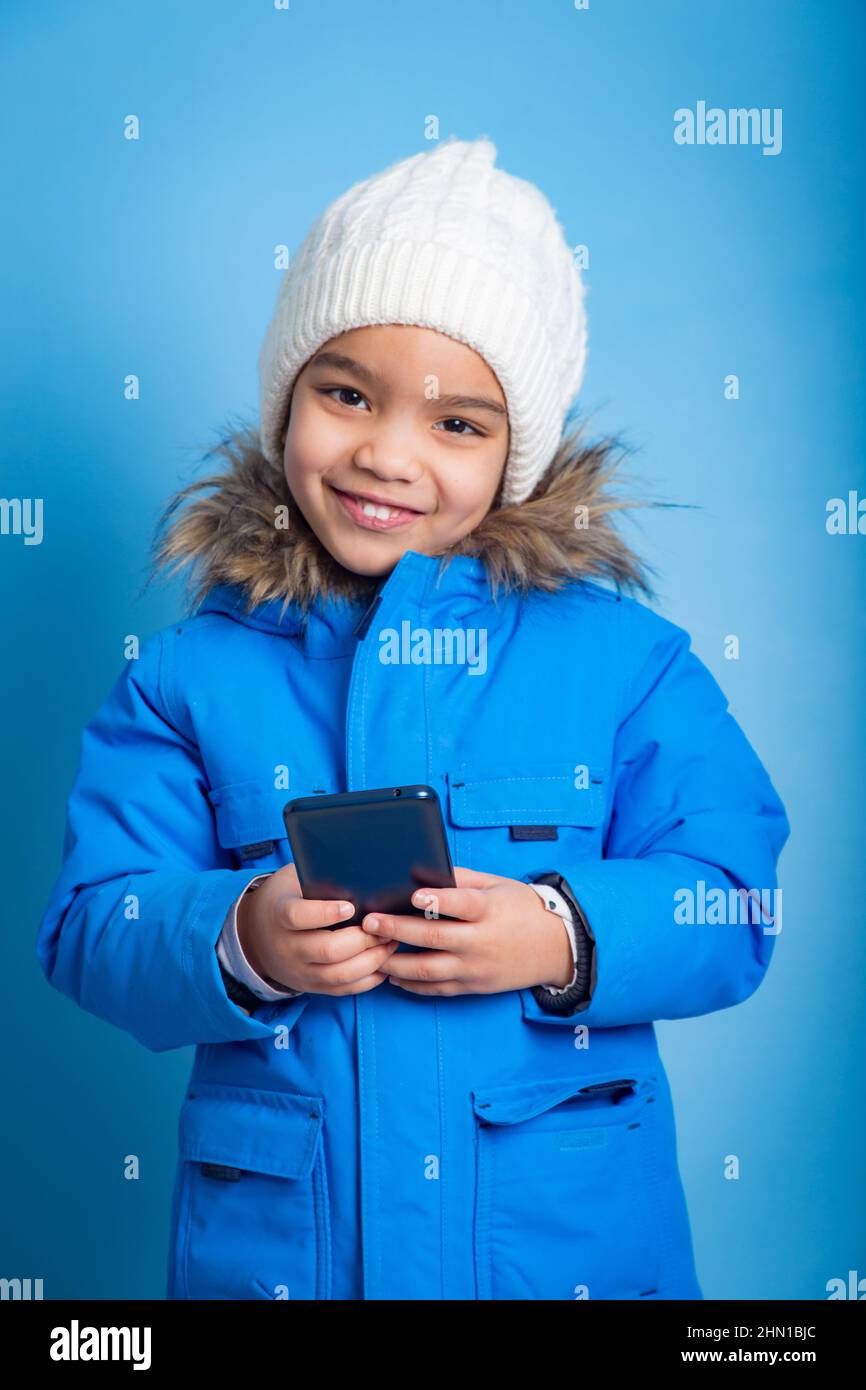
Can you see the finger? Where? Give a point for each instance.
(424, 967)
(347, 972)
(467, 904)
(331, 947)
(474, 878)
(434, 933)
(378, 977)
(306, 914)
(439, 988)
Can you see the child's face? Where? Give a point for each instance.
(385, 428)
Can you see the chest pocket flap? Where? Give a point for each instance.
(250, 1130)
(249, 813)
(538, 793)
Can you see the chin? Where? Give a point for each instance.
(368, 565)
(357, 558)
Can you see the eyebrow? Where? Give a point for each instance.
(341, 363)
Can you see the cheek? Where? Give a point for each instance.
(469, 489)
(308, 445)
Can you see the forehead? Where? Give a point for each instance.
(393, 354)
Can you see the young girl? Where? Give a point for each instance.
(401, 581)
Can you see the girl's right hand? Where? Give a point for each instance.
(285, 937)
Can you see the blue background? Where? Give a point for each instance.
(156, 257)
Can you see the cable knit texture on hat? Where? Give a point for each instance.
(442, 240)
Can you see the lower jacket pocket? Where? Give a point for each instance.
(564, 1205)
(253, 1219)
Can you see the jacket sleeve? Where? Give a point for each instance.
(132, 922)
(694, 820)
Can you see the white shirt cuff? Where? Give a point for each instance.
(231, 954)
(555, 902)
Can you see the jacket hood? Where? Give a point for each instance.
(240, 529)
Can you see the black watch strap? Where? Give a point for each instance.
(237, 991)
(577, 996)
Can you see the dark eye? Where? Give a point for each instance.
(455, 420)
(344, 390)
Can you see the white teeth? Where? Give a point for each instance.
(382, 513)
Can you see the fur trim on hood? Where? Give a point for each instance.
(250, 532)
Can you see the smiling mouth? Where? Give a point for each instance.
(375, 516)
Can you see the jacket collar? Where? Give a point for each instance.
(331, 626)
(250, 553)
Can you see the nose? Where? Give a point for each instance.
(390, 454)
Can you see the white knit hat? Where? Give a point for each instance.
(442, 240)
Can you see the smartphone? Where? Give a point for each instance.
(374, 848)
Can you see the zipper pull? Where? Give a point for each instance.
(367, 618)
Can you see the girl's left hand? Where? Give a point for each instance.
(490, 934)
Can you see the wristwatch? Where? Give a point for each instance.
(577, 996)
(237, 991)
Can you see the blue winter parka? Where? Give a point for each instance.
(391, 1145)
